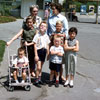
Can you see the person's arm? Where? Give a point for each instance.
(26, 62)
(28, 44)
(76, 49)
(67, 48)
(65, 25)
(36, 54)
(53, 52)
(15, 37)
(60, 54)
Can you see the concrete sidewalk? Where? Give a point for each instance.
(87, 18)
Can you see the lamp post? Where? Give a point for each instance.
(97, 12)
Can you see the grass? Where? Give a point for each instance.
(5, 19)
(2, 49)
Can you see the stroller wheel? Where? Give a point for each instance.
(11, 88)
(27, 87)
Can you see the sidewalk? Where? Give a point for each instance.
(87, 18)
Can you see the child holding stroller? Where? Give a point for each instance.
(20, 61)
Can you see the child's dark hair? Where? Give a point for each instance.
(73, 29)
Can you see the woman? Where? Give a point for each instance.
(34, 13)
(56, 10)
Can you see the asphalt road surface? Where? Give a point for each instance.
(87, 78)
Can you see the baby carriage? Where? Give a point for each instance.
(11, 81)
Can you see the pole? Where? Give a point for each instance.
(97, 12)
(66, 10)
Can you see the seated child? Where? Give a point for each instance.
(56, 53)
(20, 61)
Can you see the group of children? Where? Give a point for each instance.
(56, 48)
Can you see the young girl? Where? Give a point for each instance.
(41, 45)
(27, 35)
(56, 53)
(20, 61)
(71, 47)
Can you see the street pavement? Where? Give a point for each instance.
(87, 78)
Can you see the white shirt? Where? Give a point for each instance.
(20, 60)
(55, 58)
(41, 40)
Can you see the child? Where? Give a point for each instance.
(60, 32)
(41, 47)
(56, 53)
(27, 35)
(71, 47)
(20, 61)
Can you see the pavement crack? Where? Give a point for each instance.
(43, 94)
(83, 75)
(88, 59)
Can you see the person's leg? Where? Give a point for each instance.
(51, 78)
(23, 76)
(67, 69)
(61, 74)
(15, 76)
(73, 65)
(40, 74)
(57, 79)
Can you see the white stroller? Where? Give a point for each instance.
(11, 81)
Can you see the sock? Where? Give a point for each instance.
(39, 78)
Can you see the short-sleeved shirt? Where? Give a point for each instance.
(20, 60)
(55, 58)
(28, 34)
(41, 40)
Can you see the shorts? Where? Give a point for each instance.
(42, 54)
(54, 66)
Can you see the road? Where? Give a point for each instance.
(87, 81)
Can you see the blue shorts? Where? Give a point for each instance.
(55, 67)
(42, 54)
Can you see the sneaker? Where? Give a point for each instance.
(41, 82)
(37, 85)
(16, 81)
(57, 84)
(66, 83)
(23, 81)
(50, 83)
(71, 84)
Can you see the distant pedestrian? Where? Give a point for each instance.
(71, 47)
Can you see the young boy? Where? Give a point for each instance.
(71, 47)
(41, 47)
(20, 61)
(60, 32)
(56, 53)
